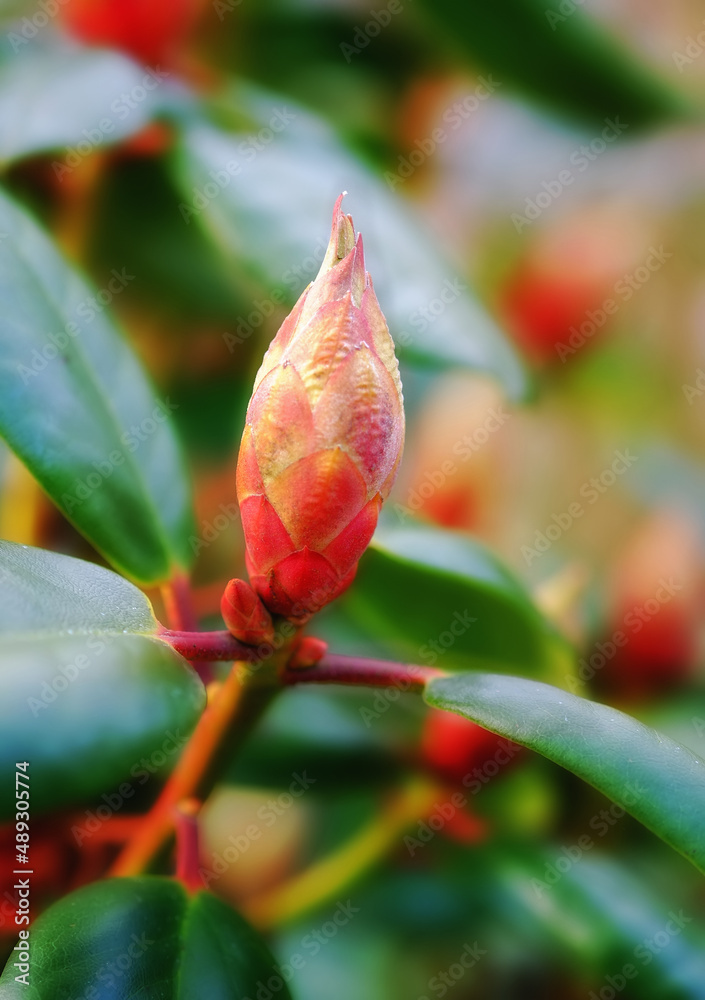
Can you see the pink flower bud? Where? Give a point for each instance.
(323, 436)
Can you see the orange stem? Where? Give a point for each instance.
(186, 778)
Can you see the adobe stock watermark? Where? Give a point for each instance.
(311, 944)
(443, 981)
(463, 449)
(292, 278)
(591, 491)
(423, 317)
(110, 973)
(141, 771)
(644, 954)
(557, 15)
(248, 149)
(121, 108)
(600, 824)
(457, 626)
(83, 489)
(30, 26)
(223, 7)
(694, 48)
(580, 159)
(633, 622)
(363, 34)
(87, 310)
(386, 697)
(67, 674)
(239, 844)
(212, 530)
(474, 781)
(623, 291)
(696, 391)
(453, 117)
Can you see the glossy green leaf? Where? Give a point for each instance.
(77, 408)
(580, 908)
(599, 915)
(556, 54)
(654, 778)
(641, 920)
(56, 94)
(86, 689)
(42, 591)
(266, 193)
(143, 939)
(443, 599)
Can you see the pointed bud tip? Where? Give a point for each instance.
(342, 237)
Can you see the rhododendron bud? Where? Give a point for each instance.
(323, 436)
(244, 614)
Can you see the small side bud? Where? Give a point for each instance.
(307, 653)
(244, 614)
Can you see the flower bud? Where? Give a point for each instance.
(323, 437)
(244, 614)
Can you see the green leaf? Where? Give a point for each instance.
(636, 916)
(559, 56)
(143, 938)
(442, 599)
(42, 591)
(574, 907)
(86, 688)
(56, 94)
(266, 193)
(77, 408)
(657, 780)
(596, 914)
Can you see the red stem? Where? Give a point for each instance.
(210, 646)
(187, 845)
(337, 669)
(333, 668)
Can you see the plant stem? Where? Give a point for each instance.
(234, 708)
(334, 668)
(327, 877)
(232, 711)
(178, 605)
(187, 845)
(210, 646)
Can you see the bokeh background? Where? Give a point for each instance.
(529, 179)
